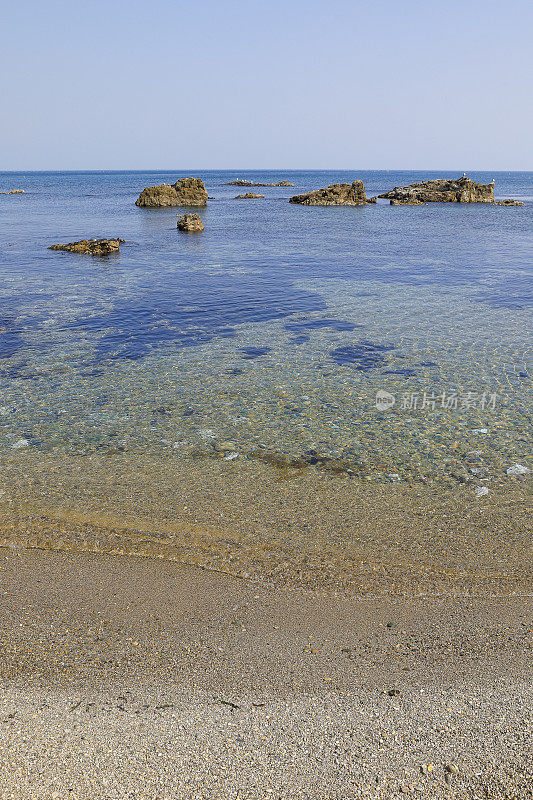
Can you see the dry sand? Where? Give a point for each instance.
(139, 678)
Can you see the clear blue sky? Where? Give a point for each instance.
(134, 84)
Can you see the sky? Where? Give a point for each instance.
(266, 84)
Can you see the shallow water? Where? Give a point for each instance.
(270, 333)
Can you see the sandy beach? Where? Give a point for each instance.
(133, 677)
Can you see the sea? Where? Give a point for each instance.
(377, 344)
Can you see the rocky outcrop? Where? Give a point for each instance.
(249, 196)
(462, 190)
(508, 202)
(190, 223)
(14, 191)
(191, 192)
(92, 247)
(407, 203)
(158, 197)
(185, 192)
(339, 194)
(241, 182)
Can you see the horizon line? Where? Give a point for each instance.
(265, 169)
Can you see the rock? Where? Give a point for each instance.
(451, 769)
(518, 469)
(190, 223)
(241, 182)
(442, 190)
(21, 191)
(481, 491)
(185, 192)
(158, 197)
(407, 203)
(20, 444)
(508, 202)
(191, 192)
(93, 247)
(339, 194)
(249, 196)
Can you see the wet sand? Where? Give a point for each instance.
(130, 677)
(286, 526)
(215, 630)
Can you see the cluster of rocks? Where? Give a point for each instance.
(338, 194)
(508, 202)
(241, 182)
(190, 223)
(442, 190)
(14, 191)
(92, 247)
(185, 192)
(192, 192)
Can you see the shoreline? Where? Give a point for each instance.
(282, 527)
(129, 677)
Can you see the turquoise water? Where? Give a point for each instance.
(269, 335)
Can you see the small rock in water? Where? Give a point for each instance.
(190, 223)
(93, 247)
(231, 456)
(481, 491)
(480, 430)
(518, 469)
(20, 444)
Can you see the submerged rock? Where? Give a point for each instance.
(441, 190)
(190, 223)
(338, 194)
(93, 247)
(185, 192)
(249, 196)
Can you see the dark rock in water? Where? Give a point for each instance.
(249, 196)
(363, 355)
(339, 194)
(441, 190)
(190, 223)
(93, 247)
(185, 192)
(191, 192)
(508, 202)
(254, 352)
(313, 324)
(241, 182)
(407, 203)
(158, 197)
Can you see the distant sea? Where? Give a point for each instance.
(272, 332)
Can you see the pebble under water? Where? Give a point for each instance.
(377, 344)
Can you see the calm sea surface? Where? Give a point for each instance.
(269, 335)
